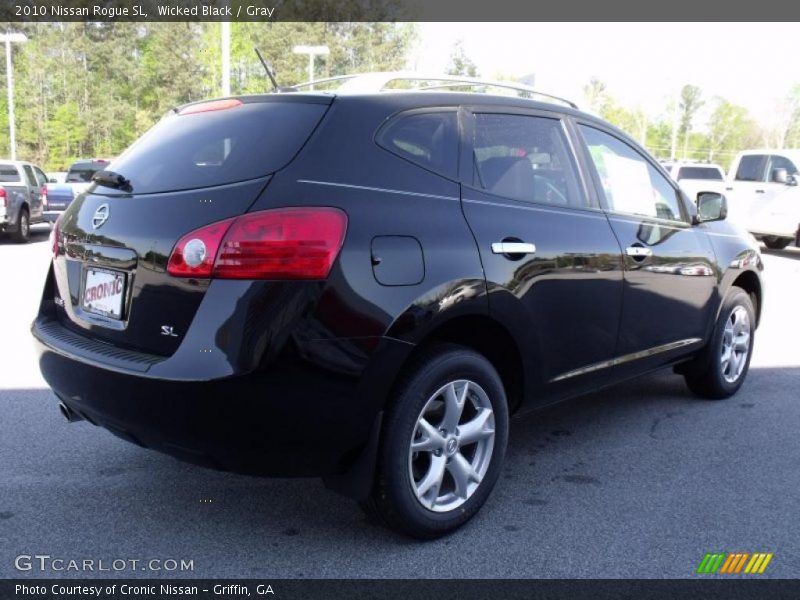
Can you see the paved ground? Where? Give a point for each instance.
(638, 481)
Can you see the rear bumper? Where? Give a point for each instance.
(51, 215)
(296, 418)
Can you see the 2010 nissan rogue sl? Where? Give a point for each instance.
(365, 285)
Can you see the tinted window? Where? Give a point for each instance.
(217, 147)
(631, 184)
(751, 168)
(41, 178)
(29, 175)
(779, 162)
(429, 139)
(9, 174)
(525, 158)
(81, 174)
(699, 173)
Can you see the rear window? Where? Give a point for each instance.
(217, 147)
(9, 174)
(429, 139)
(82, 174)
(699, 173)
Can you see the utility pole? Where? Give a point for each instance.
(312, 51)
(8, 38)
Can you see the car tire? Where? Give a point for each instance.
(463, 448)
(23, 232)
(719, 371)
(776, 243)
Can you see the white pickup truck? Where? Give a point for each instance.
(694, 177)
(764, 196)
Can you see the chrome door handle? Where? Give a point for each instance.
(638, 251)
(513, 248)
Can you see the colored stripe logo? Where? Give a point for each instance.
(735, 562)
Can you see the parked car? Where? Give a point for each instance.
(76, 180)
(22, 194)
(694, 177)
(364, 286)
(765, 197)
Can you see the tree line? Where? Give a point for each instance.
(679, 132)
(90, 89)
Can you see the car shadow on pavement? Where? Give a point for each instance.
(73, 488)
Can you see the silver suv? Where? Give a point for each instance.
(22, 195)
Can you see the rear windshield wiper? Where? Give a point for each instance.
(112, 180)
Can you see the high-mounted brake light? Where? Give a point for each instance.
(210, 106)
(284, 243)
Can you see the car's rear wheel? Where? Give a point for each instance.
(776, 243)
(23, 232)
(443, 443)
(722, 367)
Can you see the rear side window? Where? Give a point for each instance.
(218, 147)
(751, 168)
(429, 139)
(29, 175)
(525, 158)
(699, 173)
(9, 174)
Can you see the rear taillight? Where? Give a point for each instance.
(285, 243)
(43, 194)
(54, 232)
(3, 198)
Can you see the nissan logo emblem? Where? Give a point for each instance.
(100, 216)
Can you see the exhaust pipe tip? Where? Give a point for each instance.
(70, 415)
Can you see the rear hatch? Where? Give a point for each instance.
(201, 164)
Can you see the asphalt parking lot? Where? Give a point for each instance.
(640, 480)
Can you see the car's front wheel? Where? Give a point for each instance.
(722, 367)
(443, 443)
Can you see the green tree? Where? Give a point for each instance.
(729, 128)
(596, 96)
(460, 63)
(688, 105)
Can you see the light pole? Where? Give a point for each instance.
(226, 58)
(8, 38)
(312, 51)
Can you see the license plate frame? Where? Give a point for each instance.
(109, 299)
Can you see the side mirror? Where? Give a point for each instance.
(711, 206)
(792, 180)
(780, 176)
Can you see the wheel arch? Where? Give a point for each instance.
(750, 282)
(488, 337)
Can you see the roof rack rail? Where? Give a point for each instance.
(379, 81)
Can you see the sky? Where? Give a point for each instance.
(751, 64)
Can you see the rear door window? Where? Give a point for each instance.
(9, 174)
(751, 168)
(429, 139)
(526, 158)
(206, 148)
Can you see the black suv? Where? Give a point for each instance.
(364, 286)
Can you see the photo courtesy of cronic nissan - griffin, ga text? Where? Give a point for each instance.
(364, 282)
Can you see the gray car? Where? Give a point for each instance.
(22, 197)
